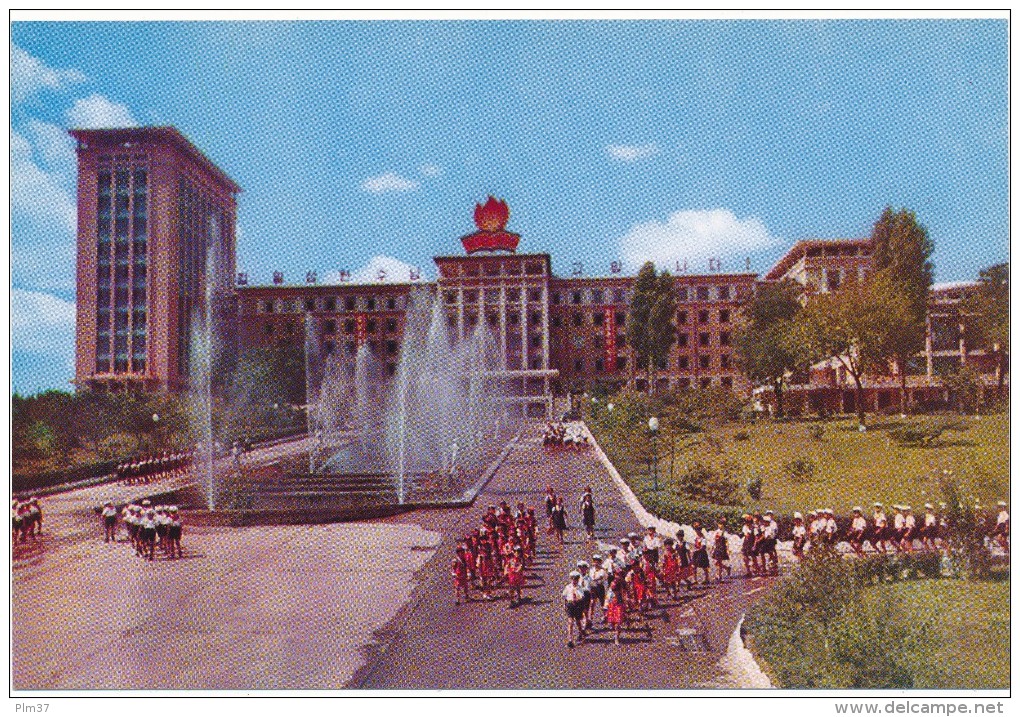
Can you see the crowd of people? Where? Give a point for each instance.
(494, 557)
(149, 527)
(26, 519)
(564, 435)
(905, 533)
(153, 468)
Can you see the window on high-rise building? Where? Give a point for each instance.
(557, 321)
(596, 296)
(577, 319)
(329, 327)
(681, 294)
(536, 318)
(597, 318)
(702, 317)
(681, 317)
(727, 382)
(706, 383)
(621, 363)
(578, 365)
(724, 361)
(555, 298)
(331, 304)
(703, 361)
(683, 363)
(702, 292)
(703, 338)
(575, 297)
(681, 340)
(724, 293)
(724, 338)
(350, 303)
(391, 347)
(391, 303)
(349, 326)
(391, 325)
(724, 316)
(370, 303)
(309, 304)
(599, 365)
(619, 296)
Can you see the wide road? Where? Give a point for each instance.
(352, 605)
(435, 644)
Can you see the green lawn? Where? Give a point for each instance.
(850, 468)
(971, 622)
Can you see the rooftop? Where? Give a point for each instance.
(166, 135)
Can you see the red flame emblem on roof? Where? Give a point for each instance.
(492, 216)
(491, 219)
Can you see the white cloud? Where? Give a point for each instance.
(41, 323)
(430, 170)
(396, 272)
(694, 236)
(98, 112)
(29, 75)
(631, 152)
(39, 195)
(55, 146)
(389, 182)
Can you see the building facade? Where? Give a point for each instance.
(156, 248)
(155, 218)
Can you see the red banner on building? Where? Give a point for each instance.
(360, 329)
(609, 329)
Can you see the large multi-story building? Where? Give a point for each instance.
(151, 206)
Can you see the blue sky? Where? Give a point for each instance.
(366, 144)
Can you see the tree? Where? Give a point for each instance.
(853, 326)
(661, 332)
(987, 314)
(766, 339)
(901, 253)
(650, 329)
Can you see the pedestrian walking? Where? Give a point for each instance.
(720, 551)
(109, 517)
(588, 513)
(572, 598)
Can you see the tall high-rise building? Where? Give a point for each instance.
(155, 218)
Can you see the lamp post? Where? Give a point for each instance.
(155, 430)
(653, 429)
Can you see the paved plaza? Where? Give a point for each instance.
(365, 605)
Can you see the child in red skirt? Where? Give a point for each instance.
(459, 571)
(514, 570)
(486, 570)
(615, 612)
(669, 567)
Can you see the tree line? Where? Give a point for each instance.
(874, 325)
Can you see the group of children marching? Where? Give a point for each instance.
(564, 435)
(496, 554)
(624, 582)
(26, 520)
(145, 470)
(902, 534)
(148, 527)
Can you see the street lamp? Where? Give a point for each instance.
(155, 429)
(653, 428)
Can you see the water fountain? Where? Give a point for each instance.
(434, 420)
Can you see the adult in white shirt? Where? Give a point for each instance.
(799, 531)
(109, 523)
(880, 528)
(573, 598)
(929, 527)
(858, 529)
(652, 545)
(909, 529)
(770, 537)
(897, 527)
(1001, 530)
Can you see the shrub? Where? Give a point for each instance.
(826, 602)
(754, 487)
(800, 470)
(741, 436)
(701, 482)
(817, 431)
